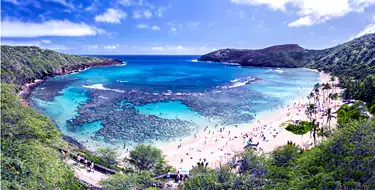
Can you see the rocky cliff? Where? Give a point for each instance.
(359, 50)
(24, 64)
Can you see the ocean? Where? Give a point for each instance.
(158, 99)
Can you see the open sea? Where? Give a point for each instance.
(157, 99)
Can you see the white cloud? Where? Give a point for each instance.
(125, 2)
(111, 16)
(63, 3)
(91, 47)
(176, 49)
(142, 26)
(20, 43)
(93, 7)
(241, 14)
(274, 4)
(193, 25)
(312, 12)
(59, 47)
(38, 43)
(137, 14)
(111, 46)
(12, 1)
(160, 11)
(367, 30)
(158, 48)
(48, 28)
(173, 30)
(145, 26)
(155, 28)
(147, 13)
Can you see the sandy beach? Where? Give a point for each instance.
(218, 146)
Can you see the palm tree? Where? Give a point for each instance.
(326, 87)
(333, 79)
(315, 130)
(317, 86)
(311, 96)
(335, 96)
(310, 110)
(316, 91)
(329, 114)
(330, 98)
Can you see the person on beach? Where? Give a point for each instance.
(86, 164)
(168, 175)
(92, 167)
(78, 159)
(178, 177)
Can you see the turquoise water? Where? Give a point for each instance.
(163, 98)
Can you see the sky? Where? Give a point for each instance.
(191, 27)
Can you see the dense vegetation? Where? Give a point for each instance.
(144, 163)
(344, 161)
(301, 128)
(28, 160)
(23, 64)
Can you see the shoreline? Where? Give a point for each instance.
(220, 147)
(28, 88)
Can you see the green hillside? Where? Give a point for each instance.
(22, 64)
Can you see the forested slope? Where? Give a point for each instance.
(28, 157)
(23, 64)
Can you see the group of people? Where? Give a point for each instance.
(88, 168)
(86, 162)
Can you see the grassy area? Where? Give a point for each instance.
(301, 128)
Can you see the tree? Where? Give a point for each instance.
(315, 130)
(345, 161)
(28, 159)
(326, 88)
(252, 163)
(328, 113)
(346, 113)
(202, 180)
(334, 96)
(311, 110)
(282, 155)
(280, 163)
(146, 157)
(108, 156)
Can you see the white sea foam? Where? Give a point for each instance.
(194, 60)
(238, 84)
(279, 70)
(101, 87)
(122, 81)
(103, 97)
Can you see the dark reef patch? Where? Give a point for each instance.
(123, 122)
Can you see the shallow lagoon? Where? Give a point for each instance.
(163, 98)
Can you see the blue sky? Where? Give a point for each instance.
(182, 26)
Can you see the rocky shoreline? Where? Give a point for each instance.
(28, 88)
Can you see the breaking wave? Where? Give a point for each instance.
(101, 87)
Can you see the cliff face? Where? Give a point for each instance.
(360, 50)
(23, 64)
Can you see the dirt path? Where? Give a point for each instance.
(92, 178)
